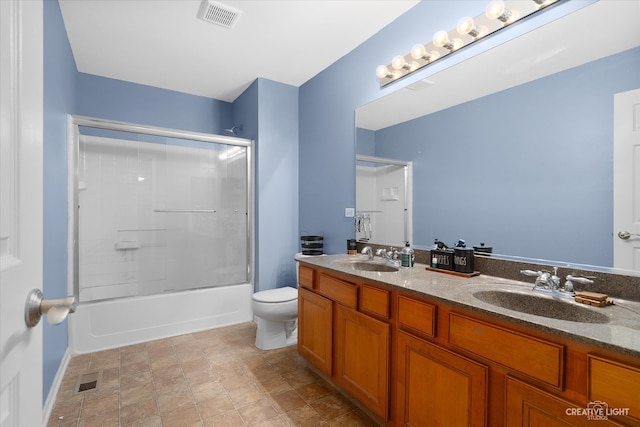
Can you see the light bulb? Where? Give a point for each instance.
(456, 44)
(465, 25)
(418, 51)
(382, 71)
(441, 38)
(398, 62)
(494, 9)
(497, 10)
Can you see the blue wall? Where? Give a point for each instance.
(59, 100)
(130, 102)
(328, 102)
(277, 184)
(365, 142)
(268, 113)
(530, 166)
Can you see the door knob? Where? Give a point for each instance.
(56, 309)
(625, 235)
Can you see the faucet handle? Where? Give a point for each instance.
(531, 273)
(578, 279)
(568, 285)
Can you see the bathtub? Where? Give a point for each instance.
(125, 321)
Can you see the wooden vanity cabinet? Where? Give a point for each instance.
(436, 387)
(616, 383)
(528, 406)
(362, 345)
(350, 346)
(315, 320)
(415, 362)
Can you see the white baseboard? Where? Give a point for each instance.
(55, 387)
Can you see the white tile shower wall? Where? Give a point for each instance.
(366, 197)
(127, 248)
(387, 219)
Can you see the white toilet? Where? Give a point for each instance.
(276, 313)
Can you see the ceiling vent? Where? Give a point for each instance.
(218, 13)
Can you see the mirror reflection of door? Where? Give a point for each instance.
(383, 201)
(626, 193)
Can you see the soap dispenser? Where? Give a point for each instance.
(407, 256)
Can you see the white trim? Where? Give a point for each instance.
(72, 201)
(55, 388)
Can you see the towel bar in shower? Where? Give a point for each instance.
(185, 210)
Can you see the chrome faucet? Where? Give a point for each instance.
(367, 251)
(547, 281)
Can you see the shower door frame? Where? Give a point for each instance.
(73, 152)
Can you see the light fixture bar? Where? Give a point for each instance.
(498, 14)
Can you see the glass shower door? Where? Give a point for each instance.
(159, 214)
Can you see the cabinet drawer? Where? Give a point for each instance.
(374, 301)
(305, 277)
(534, 357)
(416, 316)
(338, 290)
(614, 383)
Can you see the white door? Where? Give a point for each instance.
(626, 187)
(21, 84)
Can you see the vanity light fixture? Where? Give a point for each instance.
(541, 2)
(498, 14)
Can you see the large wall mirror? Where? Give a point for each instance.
(515, 147)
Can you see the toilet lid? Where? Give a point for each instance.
(276, 295)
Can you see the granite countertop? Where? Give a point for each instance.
(621, 333)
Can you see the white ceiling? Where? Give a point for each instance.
(596, 31)
(164, 43)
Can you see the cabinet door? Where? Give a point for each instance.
(437, 387)
(314, 329)
(615, 383)
(528, 406)
(362, 358)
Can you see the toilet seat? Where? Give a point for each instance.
(284, 294)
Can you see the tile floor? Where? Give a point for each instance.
(210, 378)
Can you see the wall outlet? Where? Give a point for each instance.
(349, 212)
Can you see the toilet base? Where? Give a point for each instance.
(271, 335)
